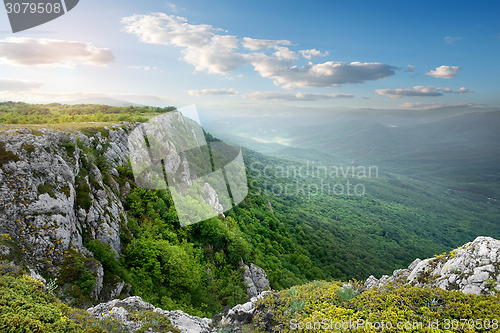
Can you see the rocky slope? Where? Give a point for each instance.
(472, 268)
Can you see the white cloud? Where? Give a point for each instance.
(269, 95)
(160, 28)
(410, 68)
(284, 96)
(25, 51)
(420, 91)
(313, 53)
(144, 68)
(451, 40)
(327, 74)
(216, 57)
(284, 53)
(444, 72)
(8, 85)
(202, 48)
(464, 90)
(216, 92)
(261, 44)
(434, 105)
(172, 6)
(207, 49)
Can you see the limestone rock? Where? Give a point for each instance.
(119, 310)
(240, 315)
(255, 278)
(54, 196)
(472, 269)
(211, 198)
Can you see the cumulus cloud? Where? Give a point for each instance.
(210, 50)
(420, 91)
(284, 53)
(327, 74)
(313, 53)
(202, 47)
(284, 96)
(444, 72)
(261, 44)
(8, 85)
(22, 51)
(451, 40)
(215, 92)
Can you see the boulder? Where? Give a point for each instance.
(255, 278)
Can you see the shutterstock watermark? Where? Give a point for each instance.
(204, 179)
(311, 179)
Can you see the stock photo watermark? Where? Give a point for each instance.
(204, 178)
(27, 14)
(311, 179)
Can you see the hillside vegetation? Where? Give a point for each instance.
(332, 307)
(55, 113)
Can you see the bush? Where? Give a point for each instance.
(105, 254)
(27, 306)
(316, 302)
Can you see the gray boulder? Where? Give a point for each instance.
(255, 278)
(240, 315)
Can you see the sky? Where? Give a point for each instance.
(226, 54)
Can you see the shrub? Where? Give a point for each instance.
(106, 255)
(331, 302)
(27, 306)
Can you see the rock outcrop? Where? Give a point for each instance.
(123, 312)
(240, 315)
(59, 190)
(255, 278)
(42, 199)
(472, 269)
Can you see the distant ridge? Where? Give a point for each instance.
(102, 101)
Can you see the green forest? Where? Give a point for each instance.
(55, 113)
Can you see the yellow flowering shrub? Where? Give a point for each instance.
(324, 306)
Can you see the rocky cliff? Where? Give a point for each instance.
(59, 190)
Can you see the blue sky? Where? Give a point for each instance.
(383, 54)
